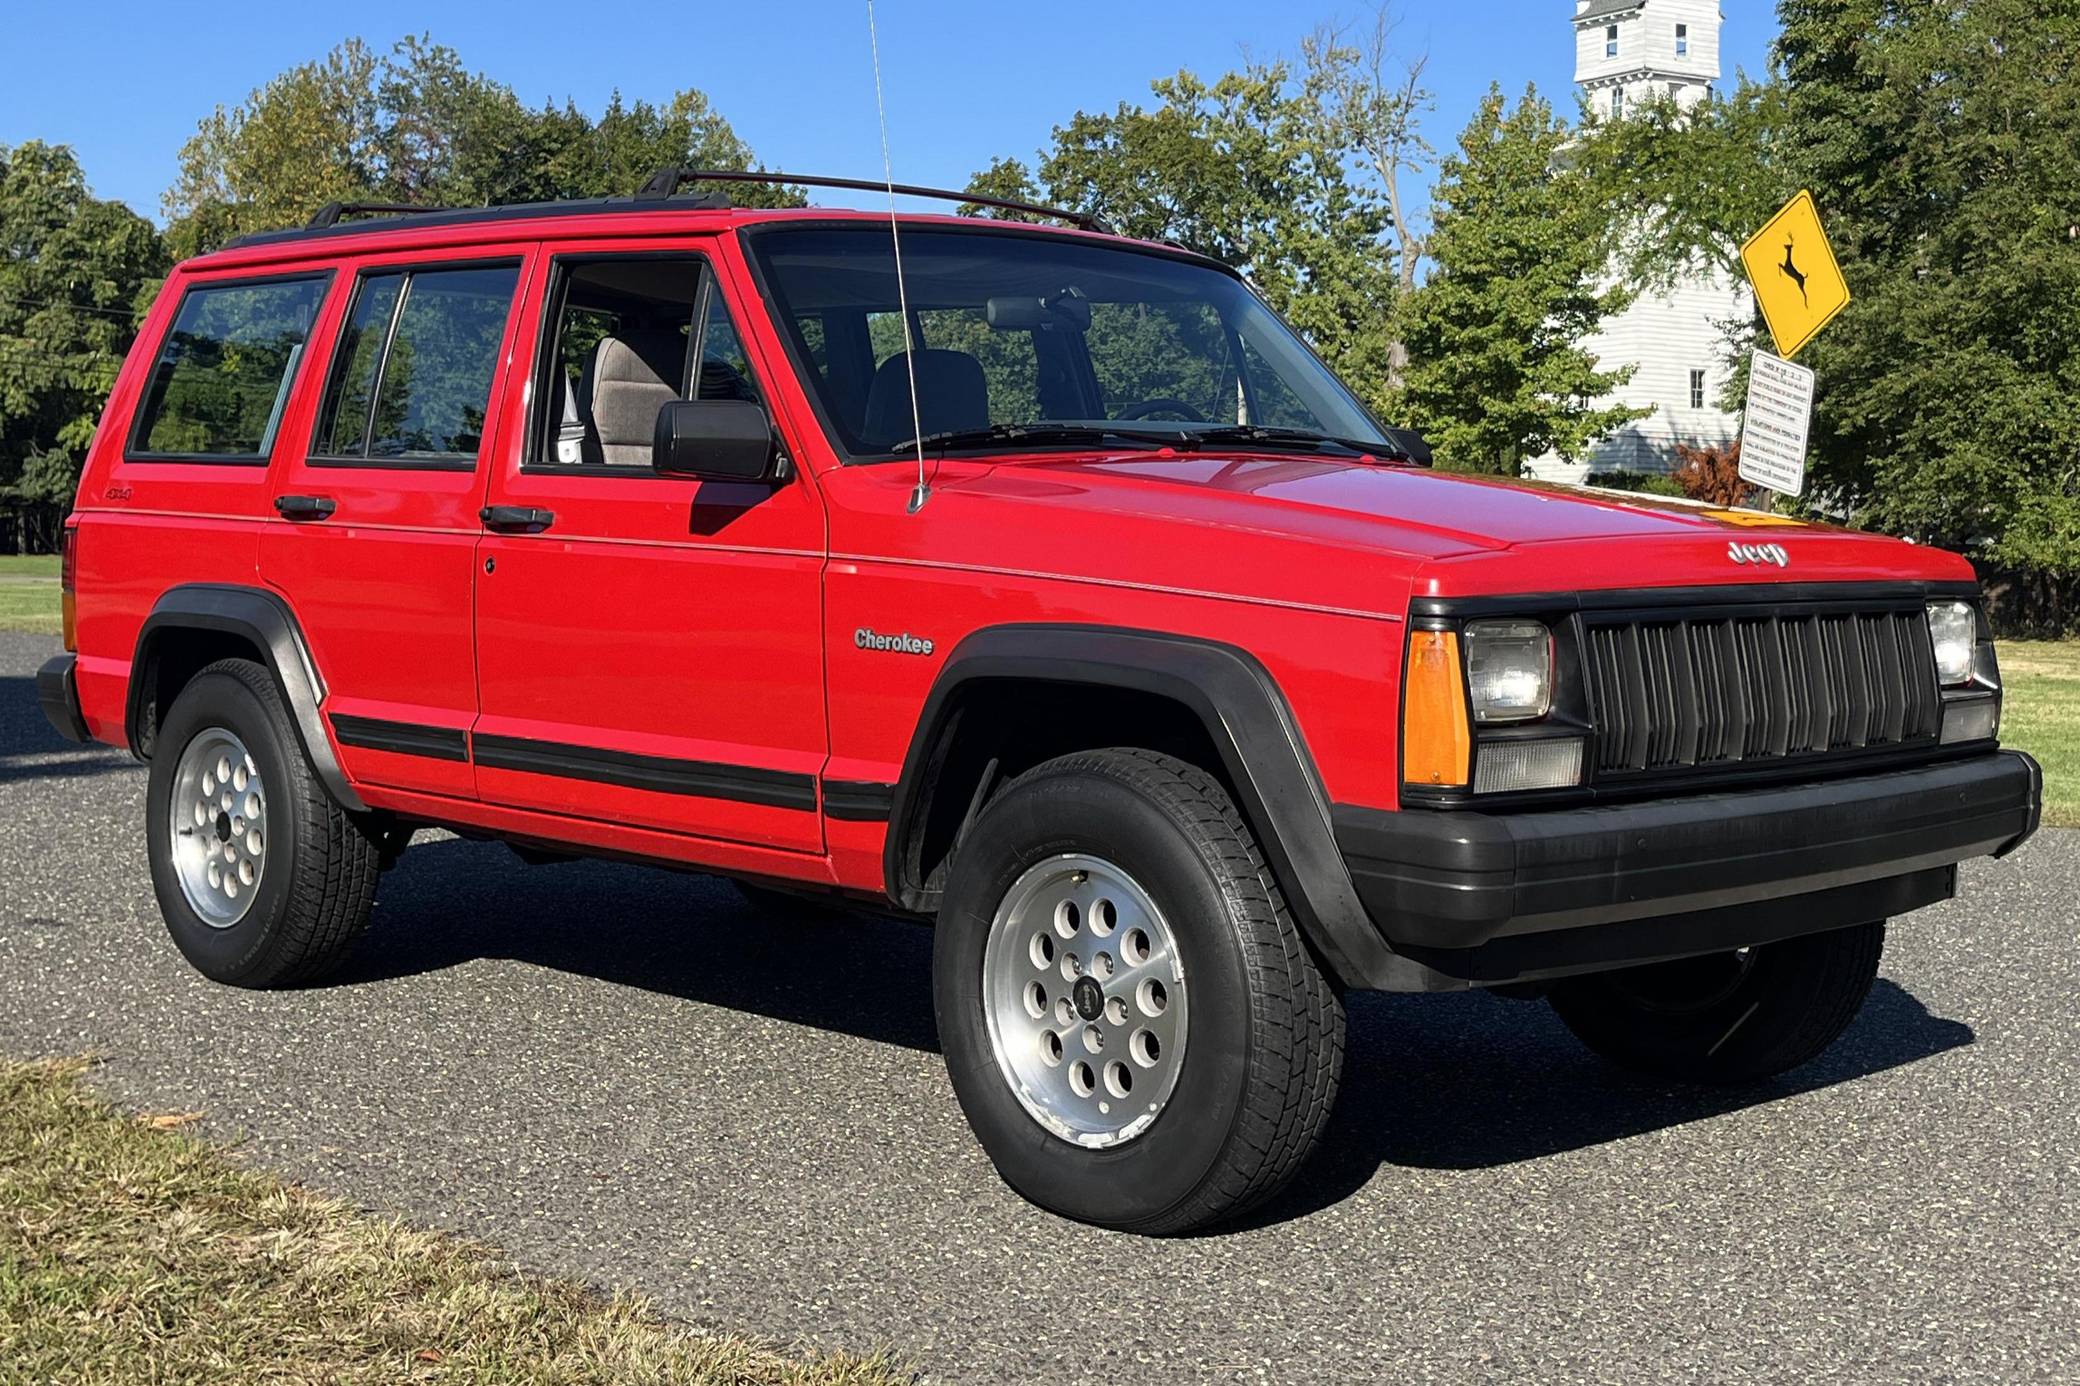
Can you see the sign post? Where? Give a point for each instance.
(1799, 288)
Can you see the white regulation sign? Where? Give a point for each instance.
(1780, 411)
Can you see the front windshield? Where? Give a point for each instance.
(1036, 333)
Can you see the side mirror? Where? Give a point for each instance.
(718, 439)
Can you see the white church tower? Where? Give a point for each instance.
(1624, 52)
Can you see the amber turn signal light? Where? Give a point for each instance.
(1435, 740)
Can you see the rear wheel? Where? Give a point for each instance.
(263, 880)
(1135, 1028)
(1727, 1017)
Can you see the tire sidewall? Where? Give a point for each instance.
(241, 951)
(1757, 1029)
(1147, 1176)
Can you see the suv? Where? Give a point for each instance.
(1031, 580)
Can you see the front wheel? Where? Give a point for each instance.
(1134, 1026)
(1727, 1018)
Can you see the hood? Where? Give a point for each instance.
(1473, 533)
(1462, 511)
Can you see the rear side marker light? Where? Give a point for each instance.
(1435, 740)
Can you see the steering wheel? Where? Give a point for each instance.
(1161, 404)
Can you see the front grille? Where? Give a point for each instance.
(1678, 692)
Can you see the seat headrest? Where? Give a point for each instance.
(951, 395)
(640, 358)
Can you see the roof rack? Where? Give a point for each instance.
(666, 181)
(332, 213)
(659, 194)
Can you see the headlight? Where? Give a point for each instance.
(1509, 670)
(1954, 629)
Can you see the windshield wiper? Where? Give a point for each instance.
(1040, 433)
(1394, 448)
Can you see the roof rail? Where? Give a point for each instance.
(666, 181)
(333, 212)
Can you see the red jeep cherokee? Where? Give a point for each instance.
(1051, 589)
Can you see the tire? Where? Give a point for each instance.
(304, 886)
(1727, 1018)
(1256, 1028)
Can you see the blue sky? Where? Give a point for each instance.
(125, 83)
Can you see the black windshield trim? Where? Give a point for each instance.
(797, 349)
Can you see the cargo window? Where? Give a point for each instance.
(412, 374)
(223, 375)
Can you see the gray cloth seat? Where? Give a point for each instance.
(951, 395)
(625, 382)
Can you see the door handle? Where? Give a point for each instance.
(305, 507)
(522, 519)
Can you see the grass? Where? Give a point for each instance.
(130, 1251)
(29, 593)
(2041, 714)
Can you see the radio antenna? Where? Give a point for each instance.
(923, 492)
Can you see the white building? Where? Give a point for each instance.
(1624, 52)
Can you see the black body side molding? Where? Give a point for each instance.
(263, 619)
(1265, 759)
(400, 738)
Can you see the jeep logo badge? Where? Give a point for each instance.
(1758, 553)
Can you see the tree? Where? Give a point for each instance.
(1943, 144)
(1242, 169)
(1499, 373)
(1372, 103)
(1685, 186)
(415, 126)
(75, 275)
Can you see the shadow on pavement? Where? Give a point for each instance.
(30, 750)
(452, 901)
(1472, 1082)
(1433, 1082)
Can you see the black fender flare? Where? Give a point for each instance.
(266, 621)
(1244, 713)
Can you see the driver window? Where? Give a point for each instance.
(623, 328)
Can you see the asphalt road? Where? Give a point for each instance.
(632, 1078)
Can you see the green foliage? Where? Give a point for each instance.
(1244, 169)
(416, 126)
(1943, 143)
(74, 274)
(1499, 374)
(1646, 483)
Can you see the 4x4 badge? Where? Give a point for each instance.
(1758, 553)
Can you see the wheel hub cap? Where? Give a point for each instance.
(1084, 993)
(218, 823)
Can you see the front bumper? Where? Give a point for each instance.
(1488, 898)
(57, 692)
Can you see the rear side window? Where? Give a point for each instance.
(222, 379)
(412, 374)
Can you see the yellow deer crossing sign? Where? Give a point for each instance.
(1798, 285)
